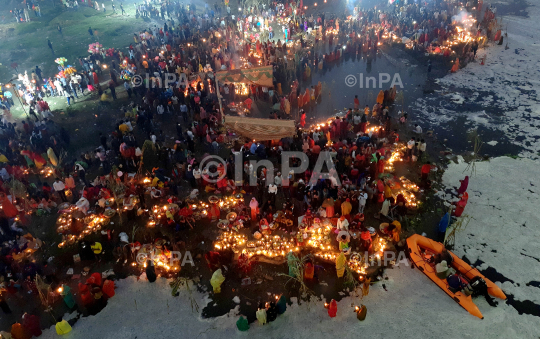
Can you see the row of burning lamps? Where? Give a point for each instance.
(275, 246)
(159, 212)
(272, 246)
(159, 264)
(269, 246)
(318, 127)
(65, 220)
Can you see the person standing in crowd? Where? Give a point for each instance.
(60, 188)
(50, 46)
(410, 145)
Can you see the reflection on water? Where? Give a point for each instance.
(338, 94)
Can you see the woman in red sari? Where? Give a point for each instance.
(303, 119)
(7, 207)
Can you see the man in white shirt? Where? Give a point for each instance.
(421, 148)
(343, 224)
(59, 87)
(417, 129)
(160, 109)
(272, 193)
(60, 188)
(357, 119)
(362, 199)
(410, 145)
(278, 179)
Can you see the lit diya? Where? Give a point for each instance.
(109, 213)
(232, 216)
(223, 224)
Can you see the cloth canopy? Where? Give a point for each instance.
(261, 129)
(256, 75)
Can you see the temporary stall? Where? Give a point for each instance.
(261, 129)
(262, 76)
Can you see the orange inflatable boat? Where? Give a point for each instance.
(421, 248)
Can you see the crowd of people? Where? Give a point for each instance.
(192, 46)
(23, 14)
